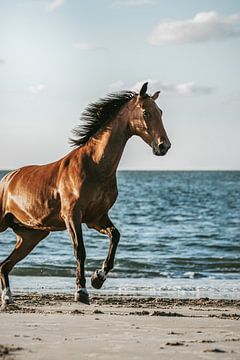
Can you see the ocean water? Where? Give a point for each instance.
(180, 236)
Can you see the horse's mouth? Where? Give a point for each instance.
(158, 153)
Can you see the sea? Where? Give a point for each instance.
(180, 237)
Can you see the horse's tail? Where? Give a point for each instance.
(1, 202)
(1, 192)
(3, 185)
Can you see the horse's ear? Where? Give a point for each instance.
(155, 95)
(143, 89)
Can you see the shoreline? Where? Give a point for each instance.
(53, 326)
(161, 287)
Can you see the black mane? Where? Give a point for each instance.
(97, 114)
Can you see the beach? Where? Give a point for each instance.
(41, 326)
(173, 293)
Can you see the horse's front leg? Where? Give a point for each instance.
(74, 228)
(99, 276)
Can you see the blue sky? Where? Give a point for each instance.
(57, 56)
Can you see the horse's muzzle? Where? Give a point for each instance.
(161, 149)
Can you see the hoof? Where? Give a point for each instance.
(7, 302)
(97, 280)
(6, 297)
(82, 296)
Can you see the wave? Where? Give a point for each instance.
(126, 273)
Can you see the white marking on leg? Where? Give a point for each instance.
(102, 274)
(7, 296)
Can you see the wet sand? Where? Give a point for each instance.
(119, 327)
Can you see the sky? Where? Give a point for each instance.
(57, 56)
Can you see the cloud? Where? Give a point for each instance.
(2, 61)
(85, 46)
(122, 3)
(54, 4)
(202, 27)
(37, 89)
(188, 88)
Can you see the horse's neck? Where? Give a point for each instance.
(106, 148)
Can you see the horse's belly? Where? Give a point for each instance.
(35, 215)
(50, 223)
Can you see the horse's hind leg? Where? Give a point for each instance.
(26, 241)
(74, 228)
(99, 276)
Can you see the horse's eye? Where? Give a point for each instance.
(146, 114)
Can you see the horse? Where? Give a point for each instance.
(81, 187)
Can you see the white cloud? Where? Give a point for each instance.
(188, 88)
(202, 27)
(37, 89)
(2, 61)
(54, 4)
(85, 46)
(122, 3)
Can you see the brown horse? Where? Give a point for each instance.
(81, 187)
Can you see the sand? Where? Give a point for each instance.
(119, 327)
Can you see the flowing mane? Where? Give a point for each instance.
(97, 114)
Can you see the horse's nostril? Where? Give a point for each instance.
(161, 147)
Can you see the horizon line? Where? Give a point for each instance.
(162, 170)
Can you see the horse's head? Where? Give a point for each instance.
(147, 122)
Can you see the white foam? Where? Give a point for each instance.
(170, 288)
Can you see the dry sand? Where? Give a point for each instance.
(119, 327)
